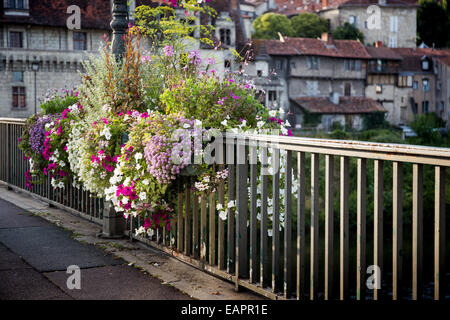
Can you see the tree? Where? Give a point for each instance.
(309, 25)
(348, 32)
(433, 23)
(268, 25)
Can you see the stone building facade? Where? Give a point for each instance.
(39, 52)
(391, 23)
(291, 70)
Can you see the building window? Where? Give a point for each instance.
(425, 106)
(227, 64)
(259, 73)
(272, 96)
(79, 40)
(403, 113)
(353, 20)
(18, 97)
(225, 36)
(312, 62)
(425, 65)
(15, 39)
(17, 76)
(425, 85)
(393, 41)
(409, 81)
(15, 4)
(393, 22)
(312, 88)
(352, 65)
(415, 85)
(379, 89)
(348, 90)
(279, 64)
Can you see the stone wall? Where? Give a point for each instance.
(406, 23)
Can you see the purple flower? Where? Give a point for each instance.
(168, 51)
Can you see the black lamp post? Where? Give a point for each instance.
(113, 222)
(35, 68)
(119, 25)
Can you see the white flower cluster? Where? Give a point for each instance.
(223, 211)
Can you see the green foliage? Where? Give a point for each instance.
(268, 25)
(210, 98)
(58, 104)
(162, 26)
(309, 25)
(348, 32)
(433, 23)
(374, 120)
(423, 126)
(311, 119)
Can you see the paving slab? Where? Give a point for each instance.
(12, 216)
(52, 249)
(28, 284)
(116, 283)
(10, 261)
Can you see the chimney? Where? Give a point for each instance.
(234, 4)
(327, 37)
(334, 97)
(324, 4)
(378, 44)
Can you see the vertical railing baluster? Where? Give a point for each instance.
(397, 229)
(254, 264)
(314, 245)
(242, 261)
(187, 218)
(343, 228)
(417, 232)
(301, 194)
(180, 224)
(195, 228)
(221, 261)
(439, 233)
(329, 225)
(264, 253)
(361, 231)
(230, 224)
(212, 228)
(378, 225)
(203, 229)
(276, 220)
(288, 226)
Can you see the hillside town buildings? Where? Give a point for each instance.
(340, 80)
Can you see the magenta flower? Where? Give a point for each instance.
(168, 51)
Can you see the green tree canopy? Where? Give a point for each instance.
(348, 32)
(433, 23)
(309, 25)
(268, 25)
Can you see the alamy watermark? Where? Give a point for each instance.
(74, 280)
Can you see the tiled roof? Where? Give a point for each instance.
(383, 53)
(347, 105)
(412, 57)
(308, 46)
(444, 60)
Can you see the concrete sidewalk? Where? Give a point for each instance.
(38, 243)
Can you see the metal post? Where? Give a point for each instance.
(119, 26)
(113, 223)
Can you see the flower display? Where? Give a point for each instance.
(133, 130)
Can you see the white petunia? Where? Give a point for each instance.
(272, 113)
(142, 196)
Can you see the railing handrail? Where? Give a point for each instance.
(364, 149)
(370, 150)
(13, 120)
